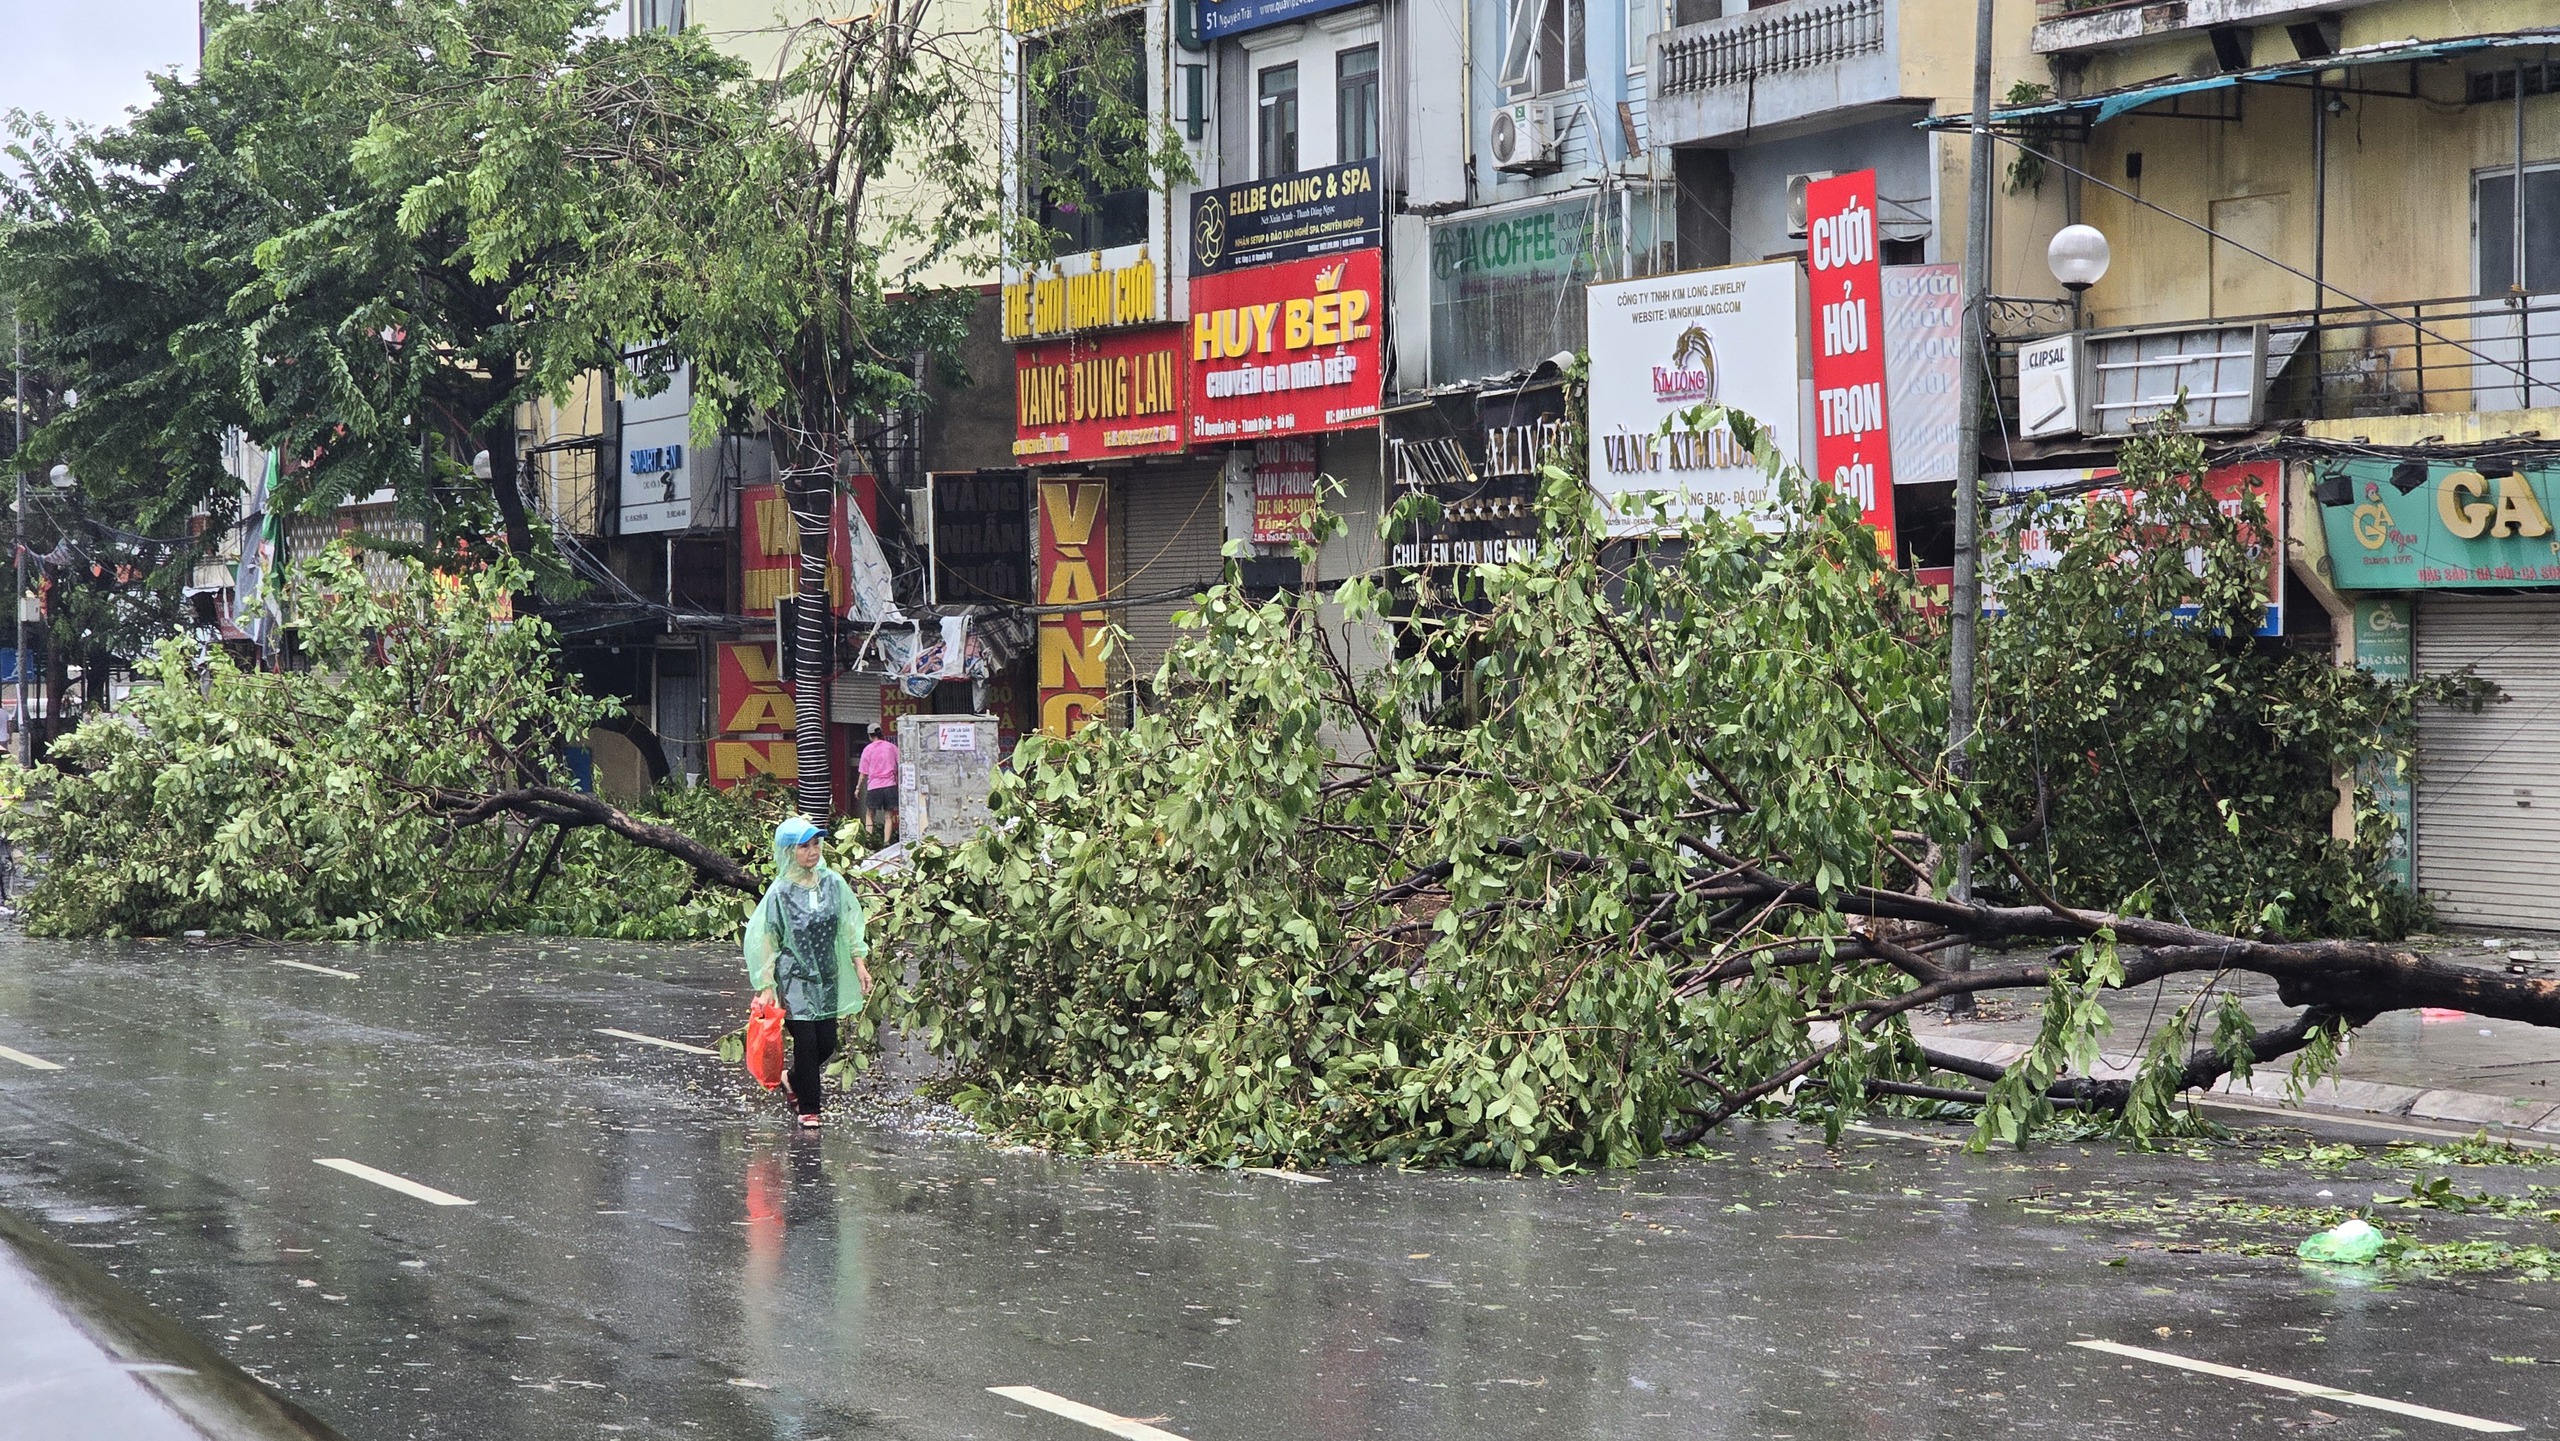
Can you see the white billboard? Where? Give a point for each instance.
(657, 458)
(1664, 344)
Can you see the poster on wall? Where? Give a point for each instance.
(1923, 349)
(1284, 491)
(1074, 567)
(1286, 217)
(1852, 426)
(1286, 349)
(1099, 397)
(657, 457)
(1665, 344)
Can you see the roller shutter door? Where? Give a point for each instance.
(2488, 794)
(1173, 524)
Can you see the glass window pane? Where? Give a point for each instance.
(1356, 104)
(1276, 90)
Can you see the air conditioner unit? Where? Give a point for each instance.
(1524, 138)
(1796, 225)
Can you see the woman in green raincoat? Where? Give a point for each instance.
(805, 952)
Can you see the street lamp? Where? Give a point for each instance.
(2078, 257)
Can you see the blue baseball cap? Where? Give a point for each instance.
(796, 831)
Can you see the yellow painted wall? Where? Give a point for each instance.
(756, 31)
(2399, 175)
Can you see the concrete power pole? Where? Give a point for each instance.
(1965, 606)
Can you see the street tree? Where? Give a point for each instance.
(1626, 843)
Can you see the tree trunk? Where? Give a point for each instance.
(568, 809)
(506, 487)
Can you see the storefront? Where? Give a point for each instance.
(2449, 564)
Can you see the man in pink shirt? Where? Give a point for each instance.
(879, 768)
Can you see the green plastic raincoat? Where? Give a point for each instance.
(802, 939)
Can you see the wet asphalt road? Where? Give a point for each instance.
(650, 1253)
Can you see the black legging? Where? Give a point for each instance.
(812, 1042)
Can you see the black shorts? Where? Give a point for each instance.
(883, 799)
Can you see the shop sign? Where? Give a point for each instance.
(1923, 368)
(1286, 349)
(1074, 568)
(1284, 491)
(2383, 646)
(1852, 448)
(981, 537)
(2445, 525)
(755, 717)
(769, 551)
(1288, 217)
(2049, 387)
(657, 462)
(1101, 290)
(1222, 18)
(2231, 486)
(1665, 344)
(1481, 457)
(1099, 397)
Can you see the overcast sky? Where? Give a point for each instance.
(86, 60)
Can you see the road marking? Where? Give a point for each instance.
(318, 970)
(1095, 1417)
(1301, 1177)
(2446, 1132)
(32, 1063)
(401, 1184)
(2300, 1388)
(657, 1041)
(1901, 1135)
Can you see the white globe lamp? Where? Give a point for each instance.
(2078, 257)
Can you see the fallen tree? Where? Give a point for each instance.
(1629, 839)
(412, 781)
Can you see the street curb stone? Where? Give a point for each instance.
(2474, 1108)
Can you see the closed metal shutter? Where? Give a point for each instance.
(2488, 795)
(1173, 525)
(854, 700)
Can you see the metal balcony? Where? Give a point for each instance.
(1768, 68)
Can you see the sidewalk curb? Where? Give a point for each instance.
(2533, 1116)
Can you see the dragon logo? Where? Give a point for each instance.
(1690, 378)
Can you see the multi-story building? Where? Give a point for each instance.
(2332, 232)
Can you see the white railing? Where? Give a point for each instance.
(1749, 47)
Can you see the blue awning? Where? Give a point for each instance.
(2106, 105)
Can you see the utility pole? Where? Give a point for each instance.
(18, 525)
(1965, 606)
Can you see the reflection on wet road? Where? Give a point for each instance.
(649, 1252)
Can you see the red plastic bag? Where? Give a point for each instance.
(764, 1043)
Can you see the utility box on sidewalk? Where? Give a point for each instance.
(946, 766)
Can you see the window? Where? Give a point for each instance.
(2518, 349)
(1088, 177)
(2495, 227)
(1543, 50)
(1355, 115)
(1276, 128)
(648, 15)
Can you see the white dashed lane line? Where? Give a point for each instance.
(385, 1179)
(1301, 1177)
(32, 1063)
(1093, 1416)
(2312, 1389)
(318, 970)
(656, 1041)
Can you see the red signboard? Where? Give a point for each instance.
(1287, 349)
(769, 550)
(1096, 397)
(1074, 568)
(1852, 450)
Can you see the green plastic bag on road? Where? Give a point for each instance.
(2349, 1243)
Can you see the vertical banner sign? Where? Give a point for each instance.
(2382, 647)
(1074, 569)
(756, 716)
(1852, 451)
(1284, 491)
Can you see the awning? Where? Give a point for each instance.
(2108, 104)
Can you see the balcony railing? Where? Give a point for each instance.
(1751, 47)
(2472, 353)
